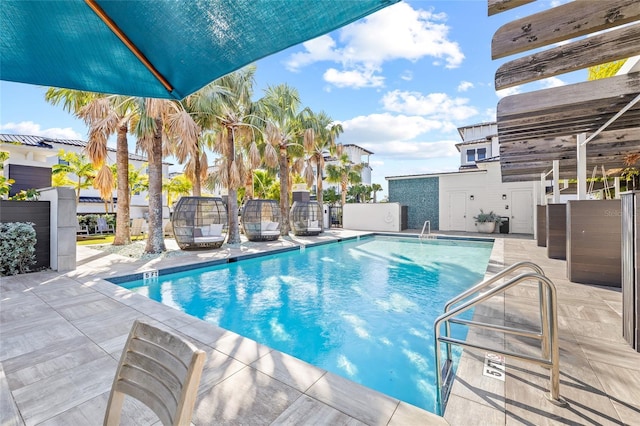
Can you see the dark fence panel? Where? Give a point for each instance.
(541, 225)
(557, 231)
(36, 212)
(594, 242)
(28, 177)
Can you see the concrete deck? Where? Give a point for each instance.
(62, 334)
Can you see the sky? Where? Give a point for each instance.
(400, 81)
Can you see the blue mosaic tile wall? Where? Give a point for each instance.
(421, 196)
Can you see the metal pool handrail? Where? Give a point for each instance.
(485, 283)
(549, 360)
(427, 225)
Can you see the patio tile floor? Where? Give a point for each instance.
(61, 336)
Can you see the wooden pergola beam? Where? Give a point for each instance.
(570, 109)
(608, 47)
(498, 6)
(570, 20)
(616, 143)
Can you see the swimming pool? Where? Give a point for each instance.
(363, 309)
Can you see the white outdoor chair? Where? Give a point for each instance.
(137, 228)
(160, 370)
(103, 226)
(81, 229)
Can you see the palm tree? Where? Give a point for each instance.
(105, 115)
(197, 112)
(176, 186)
(283, 124)
(375, 187)
(150, 130)
(78, 165)
(263, 183)
(359, 193)
(319, 139)
(344, 173)
(232, 112)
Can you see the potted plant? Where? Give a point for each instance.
(486, 222)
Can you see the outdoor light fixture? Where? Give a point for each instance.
(471, 197)
(504, 196)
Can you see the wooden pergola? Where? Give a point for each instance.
(594, 123)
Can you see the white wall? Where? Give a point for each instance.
(487, 189)
(384, 217)
(45, 157)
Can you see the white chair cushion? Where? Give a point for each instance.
(215, 229)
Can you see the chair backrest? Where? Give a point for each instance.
(159, 369)
(102, 224)
(136, 226)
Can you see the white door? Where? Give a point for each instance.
(521, 212)
(457, 211)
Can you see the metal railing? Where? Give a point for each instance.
(548, 334)
(426, 227)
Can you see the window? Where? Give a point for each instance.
(471, 155)
(63, 162)
(482, 153)
(474, 155)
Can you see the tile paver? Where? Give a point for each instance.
(61, 335)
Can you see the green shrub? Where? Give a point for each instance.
(17, 247)
(488, 217)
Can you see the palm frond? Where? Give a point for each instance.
(234, 176)
(309, 175)
(270, 155)
(97, 148)
(104, 182)
(309, 140)
(203, 165)
(254, 155)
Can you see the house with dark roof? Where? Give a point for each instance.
(30, 163)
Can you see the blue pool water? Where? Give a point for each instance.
(363, 309)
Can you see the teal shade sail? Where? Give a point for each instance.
(166, 49)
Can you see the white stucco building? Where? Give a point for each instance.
(451, 200)
(31, 159)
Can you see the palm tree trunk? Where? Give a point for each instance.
(124, 198)
(343, 187)
(155, 241)
(284, 191)
(195, 185)
(233, 233)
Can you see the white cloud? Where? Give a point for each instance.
(550, 82)
(385, 127)
(413, 150)
(490, 114)
(435, 105)
(408, 34)
(322, 48)
(33, 129)
(508, 91)
(464, 86)
(353, 78)
(407, 75)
